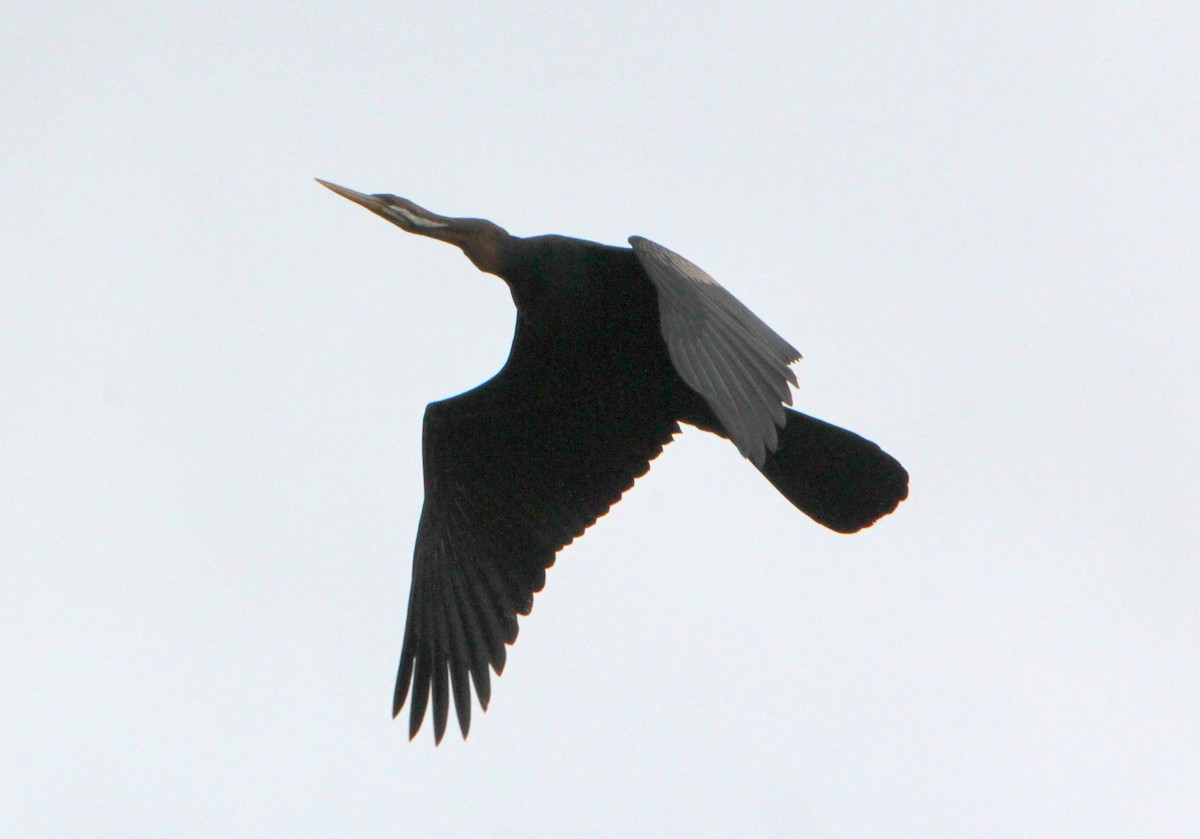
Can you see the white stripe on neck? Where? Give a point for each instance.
(416, 219)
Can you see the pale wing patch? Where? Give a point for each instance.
(722, 350)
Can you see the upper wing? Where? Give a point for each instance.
(510, 478)
(722, 350)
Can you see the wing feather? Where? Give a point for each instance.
(755, 374)
(461, 657)
(423, 672)
(721, 349)
(441, 684)
(474, 637)
(510, 478)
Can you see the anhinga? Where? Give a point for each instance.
(613, 348)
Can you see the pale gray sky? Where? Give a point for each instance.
(977, 221)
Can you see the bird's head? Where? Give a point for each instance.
(483, 242)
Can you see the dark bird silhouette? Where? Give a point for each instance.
(613, 348)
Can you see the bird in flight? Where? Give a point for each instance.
(613, 348)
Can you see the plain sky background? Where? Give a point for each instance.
(977, 221)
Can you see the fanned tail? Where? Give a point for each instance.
(834, 476)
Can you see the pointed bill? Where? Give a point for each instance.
(361, 198)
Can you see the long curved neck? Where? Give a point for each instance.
(488, 245)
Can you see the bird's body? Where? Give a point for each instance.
(586, 318)
(613, 347)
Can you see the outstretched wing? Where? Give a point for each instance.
(511, 477)
(722, 350)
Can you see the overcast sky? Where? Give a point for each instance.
(978, 222)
